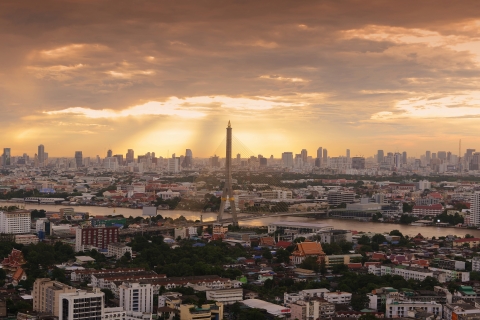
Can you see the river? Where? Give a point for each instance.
(336, 223)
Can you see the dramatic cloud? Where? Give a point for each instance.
(159, 76)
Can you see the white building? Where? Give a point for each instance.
(476, 264)
(118, 250)
(169, 194)
(173, 165)
(111, 163)
(136, 297)
(15, 222)
(338, 297)
(82, 305)
(404, 272)
(475, 208)
(400, 309)
(225, 296)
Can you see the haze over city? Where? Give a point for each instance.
(159, 76)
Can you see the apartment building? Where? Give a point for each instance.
(476, 264)
(86, 275)
(118, 249)
(26, 239)
(46, 295)
(86, 238)
(136, 297)
(15, 222)
(399, 309)
(205, 312)
(338, 297)
(403, 271)
(82, 305)
(336, 198)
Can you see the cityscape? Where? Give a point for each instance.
(206, 160)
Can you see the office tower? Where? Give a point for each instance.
(287, 159)
(358, 163)
(449, 156)
(109, 153)
(474, 163)
(7, 156)
(119, 159)
(15, 222)
(41, 155)
(46, 295)
(227, 193)
(95, 237)
(188, 160)
(398, 160)
(475, 208)
(136, 297)
(82, 305)
(318, 160)
(263, 162)
(130, 157)
(442, 155)
(78, 158)
(239, 158)
(348, 153)
(325, 157)
(404, 157)
(434, 155)
(304, 155)
(428, 157)
(380, 156)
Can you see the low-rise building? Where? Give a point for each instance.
(399, 309)
(225, 296)
(205, 312)
(118, 249)
(315, 308)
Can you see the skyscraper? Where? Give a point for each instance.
(318, 160)
(188, 160)
(380, 156)
(41, 155)
(109, 153)
(78, 159)
(287, 159)
(428, 157)
(130, 157)
(325, 157)
(404, 157)
(304, 154)
(348, 153)
(7, 157)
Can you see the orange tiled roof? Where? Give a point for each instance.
(308, 249)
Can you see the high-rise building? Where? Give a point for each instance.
(475, 208)
(130, 157)
(380, 156)
(304, 154)
(7, 157)
(358, 163)
(173, 164)
(78, 159)
(434, 155)
(442, 155)
(474, 161)
(428, 157)
(15, 222)
(398, 160)
(318, 160)
(136, 297)
(325, 157)
(95, 237)
(119, 159)
(46, 295)
(82, 305)
(41, 155)
(188, 160)
(348, 153)
(287, 159)
(109, 153)
(404, 157)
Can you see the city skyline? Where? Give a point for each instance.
(163, 76)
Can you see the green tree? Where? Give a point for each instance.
(359, 301)
(368, 316)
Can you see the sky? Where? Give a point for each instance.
(164, 76)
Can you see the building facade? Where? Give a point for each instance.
(15, 222)
(95, 237)
(136, 297)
